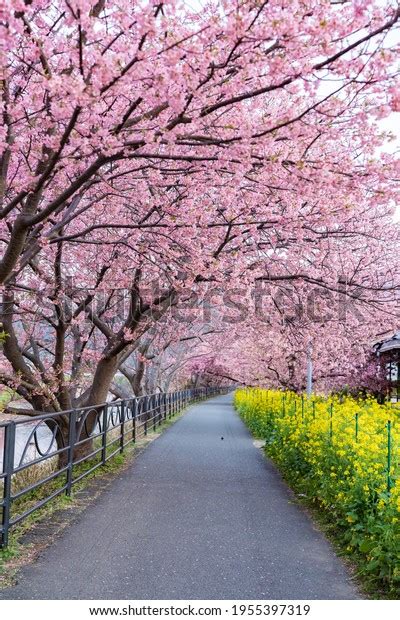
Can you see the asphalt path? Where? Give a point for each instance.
(200, 514)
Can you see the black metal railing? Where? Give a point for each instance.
(44, 456)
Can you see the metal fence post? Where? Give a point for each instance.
(389, 455)
(104, 437)
(134, 409)
(8, 468)
(71, 446)
(144, 410)
(122, 427)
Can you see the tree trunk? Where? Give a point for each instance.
(105, 371)
(84, 449)
(102, 379)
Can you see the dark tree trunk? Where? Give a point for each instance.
(105, 371)
(85, 447)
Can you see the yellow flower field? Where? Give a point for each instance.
(344, 454)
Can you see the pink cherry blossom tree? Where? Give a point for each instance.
(152, 154)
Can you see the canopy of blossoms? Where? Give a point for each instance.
(158, 159)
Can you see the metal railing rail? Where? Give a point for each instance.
(91, 435)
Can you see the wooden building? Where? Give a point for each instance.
(389, 351)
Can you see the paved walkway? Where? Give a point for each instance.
(194, 517)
